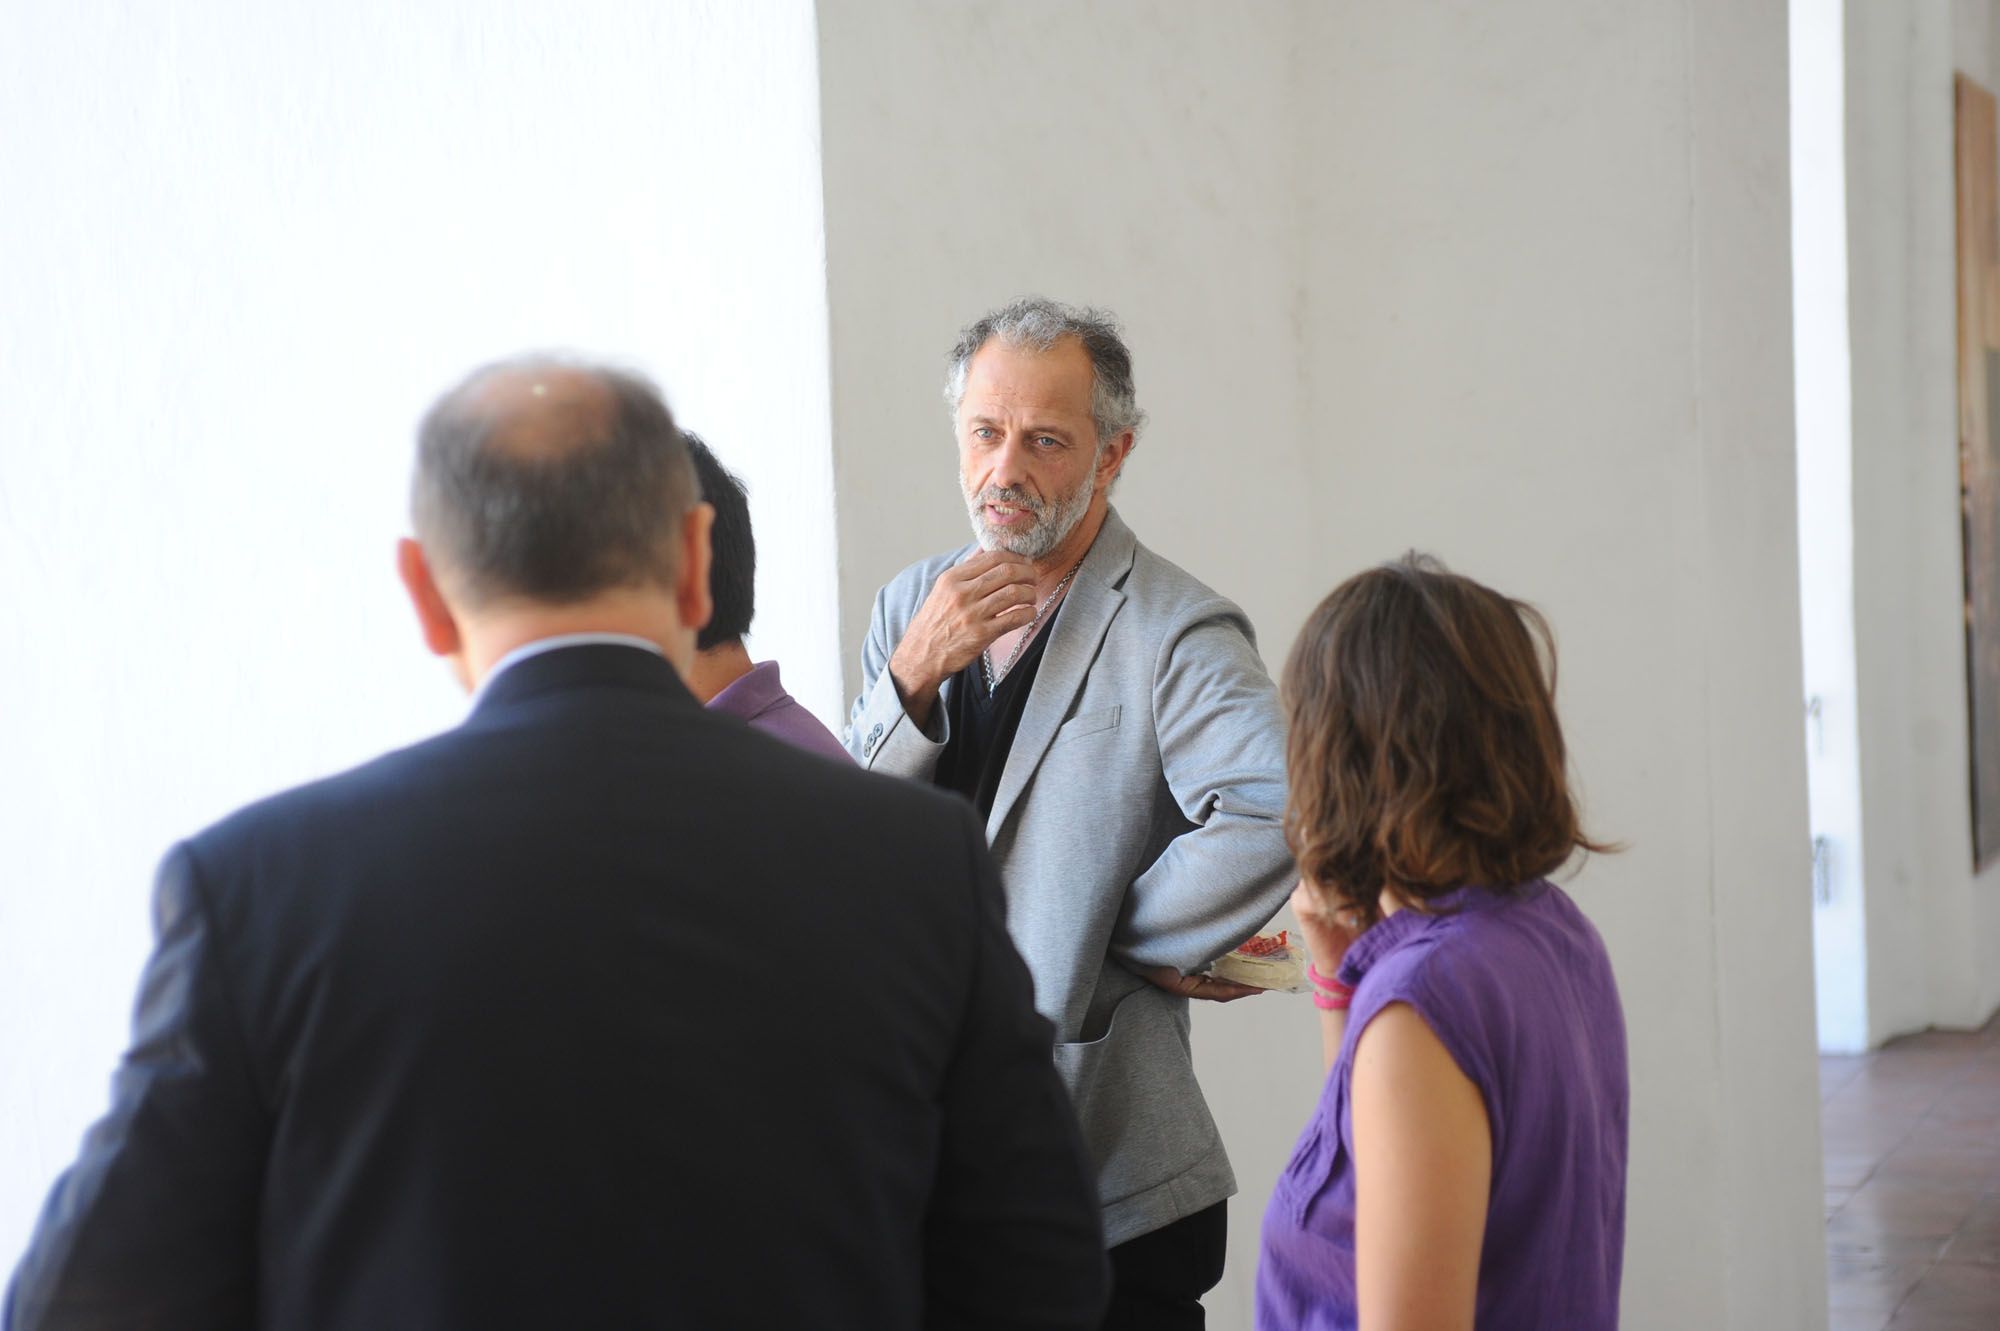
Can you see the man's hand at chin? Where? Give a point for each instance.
(969, 606)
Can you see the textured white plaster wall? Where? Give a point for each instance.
(1510, 283)
(244, 245)
(1549, 338)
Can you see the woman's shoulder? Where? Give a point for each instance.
(1482, 953)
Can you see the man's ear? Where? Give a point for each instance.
(1111, 458)
(434, 617)
(691, 595)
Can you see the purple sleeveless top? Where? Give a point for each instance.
(1519, 991)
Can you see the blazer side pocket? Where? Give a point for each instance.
(1134, 1094)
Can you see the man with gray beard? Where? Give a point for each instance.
(1110, 719)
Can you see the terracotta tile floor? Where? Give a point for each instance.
(1912, 1138)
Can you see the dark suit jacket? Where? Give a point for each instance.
(597, 1011)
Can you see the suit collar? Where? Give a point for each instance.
(587, 665)
(1078, 631)
(556, 643)
(1109, 558)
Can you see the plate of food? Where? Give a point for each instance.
(1267, 961)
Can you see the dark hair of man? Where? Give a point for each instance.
(555, 504)
(732, 566)
(1424, 753)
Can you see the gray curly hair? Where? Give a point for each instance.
(1038, 323)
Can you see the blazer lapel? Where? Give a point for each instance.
(1081, 621)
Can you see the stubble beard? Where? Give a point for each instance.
(1054, 520)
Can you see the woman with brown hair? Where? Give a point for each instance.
(1465, 1165)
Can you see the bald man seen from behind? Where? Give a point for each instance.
(598, 1010)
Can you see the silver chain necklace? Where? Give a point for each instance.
(1027, 636)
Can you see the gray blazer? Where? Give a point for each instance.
(1137, 824)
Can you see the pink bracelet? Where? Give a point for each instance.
(1329, 986)
(1326, 1002)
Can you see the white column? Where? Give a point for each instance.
(1550, 340)
(1933, 926)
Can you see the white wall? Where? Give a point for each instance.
(1909, 585)
(1549, 338)
(1507, 282)
(244, 246)
(1127, 154)
(1933, 928)
(1825, 412)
